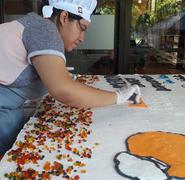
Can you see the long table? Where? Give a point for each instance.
(115, 142)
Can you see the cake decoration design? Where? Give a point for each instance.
(152, 155)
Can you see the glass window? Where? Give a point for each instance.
(96, 54)
(157, 36)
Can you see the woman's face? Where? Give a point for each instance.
(72, 32)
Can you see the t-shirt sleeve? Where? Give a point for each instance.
(42, 38)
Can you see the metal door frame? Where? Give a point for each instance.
(122, 36)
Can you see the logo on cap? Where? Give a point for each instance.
(80, 10)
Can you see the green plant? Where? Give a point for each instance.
(167, 8)
(106, 8)
(143, 22)
(106, 11)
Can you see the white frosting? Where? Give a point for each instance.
(113, 124)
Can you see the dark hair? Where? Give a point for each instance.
(57, 12)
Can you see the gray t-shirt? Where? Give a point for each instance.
(38, 36)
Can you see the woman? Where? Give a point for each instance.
(32, 51)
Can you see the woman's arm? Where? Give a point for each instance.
(54, 75)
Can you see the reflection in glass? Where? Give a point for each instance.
(157, 40)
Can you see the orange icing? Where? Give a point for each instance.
(167, 147)
(142, 104)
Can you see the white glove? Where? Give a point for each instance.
(126, 92)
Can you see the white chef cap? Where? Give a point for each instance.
(83, 8)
